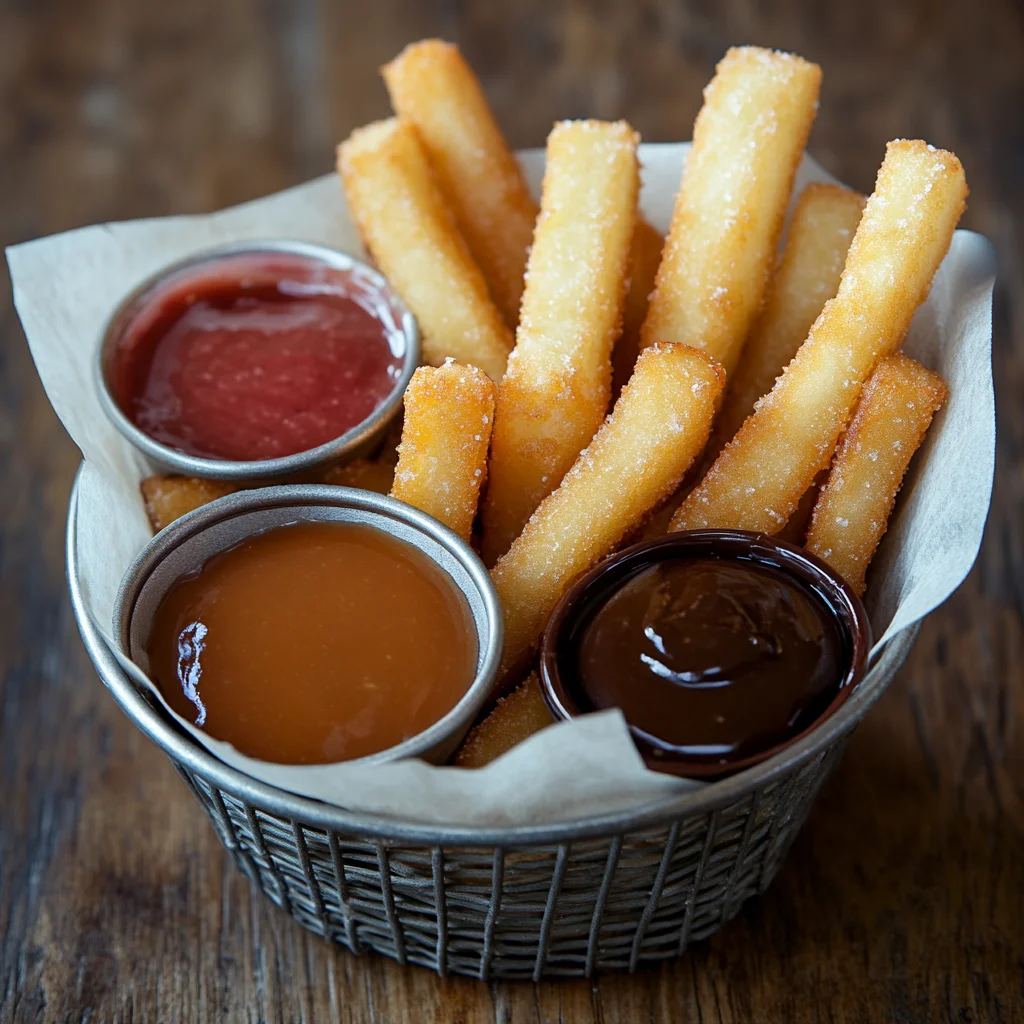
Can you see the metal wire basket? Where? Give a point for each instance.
(548, 900)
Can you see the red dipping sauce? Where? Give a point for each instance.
(256, 355)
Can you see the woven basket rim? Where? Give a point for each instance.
(183, 750)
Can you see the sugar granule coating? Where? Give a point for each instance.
(659, 425)
(514, 718)
(410, 232)
(431, 85)
(167, 498)
(443, 453)
(747, 143)
(793, 431)
(853, 508)
(556, 389)
(807, 276)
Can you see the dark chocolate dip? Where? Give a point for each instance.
(711, 660)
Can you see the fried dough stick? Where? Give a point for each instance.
(170, 497)
(443, 455)
(432, 86)
(555, 392)
(905, 231)
(820, 233)
(644, 257)
(514, 719)
(365, 474)
(892, 417)
(411, 235)
(747, 143)
(659, 425)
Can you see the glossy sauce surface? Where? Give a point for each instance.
(255, 356)
(313, 643)
(711, 660)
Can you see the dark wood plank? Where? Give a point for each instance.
(903, 898)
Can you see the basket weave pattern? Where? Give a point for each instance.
(566, 909)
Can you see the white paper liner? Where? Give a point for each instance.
(66, 286)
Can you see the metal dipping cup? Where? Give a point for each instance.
(361, 279)
(188, 542)
(593, 589)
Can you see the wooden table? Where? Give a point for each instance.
(904, 896)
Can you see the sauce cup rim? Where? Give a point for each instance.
(349, 444)
(740, 545)
(378, 511)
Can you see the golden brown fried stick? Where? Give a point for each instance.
(644, 257)
(906, 228)
(366, 474)
(747, 143)
(555, 392)
(659, 425)
(443, 455)
(820, 233)
(411, 234)
(170, 497)
(514, 719)
(852, 512)
(433, 87)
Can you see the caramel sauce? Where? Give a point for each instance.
(313, 643)
(710, 660)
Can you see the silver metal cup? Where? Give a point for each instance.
(359, 440)
(188, 542)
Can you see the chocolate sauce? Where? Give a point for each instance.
(711, 660)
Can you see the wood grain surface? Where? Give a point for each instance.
(903, 898)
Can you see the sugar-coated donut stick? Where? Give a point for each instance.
(644, 257)
(852, 512)
(514, 719)
(170, 497)
(747, 143)
(432, 86)
(757, 480)
(659, 425)
(376, 475)
(556, 390)
(443, 455)
(411, 234)
(820, 233)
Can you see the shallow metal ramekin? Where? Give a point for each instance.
(188, 542)
(738, 546)
(359, 440)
